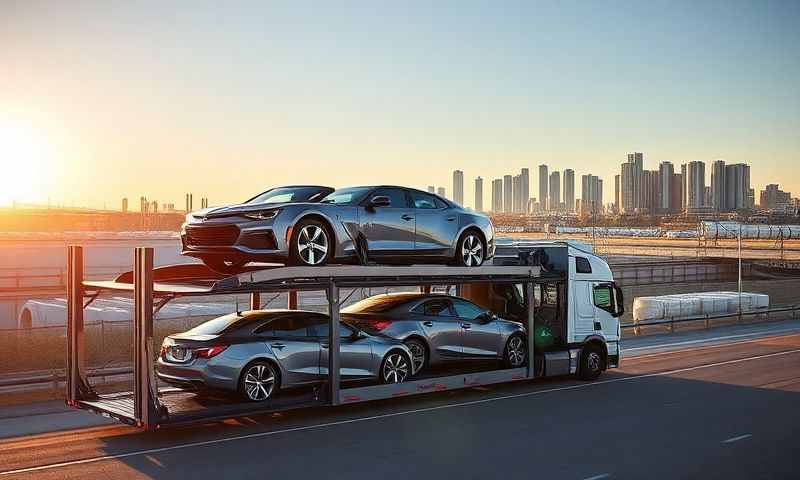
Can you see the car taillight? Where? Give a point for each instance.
(381, 324)
(209, 352)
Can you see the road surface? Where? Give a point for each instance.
(713, 411)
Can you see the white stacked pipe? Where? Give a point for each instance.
(684, 305)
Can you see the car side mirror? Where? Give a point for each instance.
(488, 316)
(380, 201)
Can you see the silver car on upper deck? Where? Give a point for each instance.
(383, 224)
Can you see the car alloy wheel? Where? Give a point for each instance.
(515, 352)
(395, 368)
(312, 245)
(417, 353)
(259, 382)
(472, 251)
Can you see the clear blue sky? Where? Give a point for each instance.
(227, 98)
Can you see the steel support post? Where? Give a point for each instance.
(292, 300)
(77, 382)
(333, 343)
(255, 300)
(531, 331)
(145, 399)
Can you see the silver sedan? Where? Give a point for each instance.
(257, 353)
(440, 328)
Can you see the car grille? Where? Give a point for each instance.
(212, 235)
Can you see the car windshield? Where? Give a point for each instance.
(216, 325)
(289, 194)
(378, 304)
(346, 196)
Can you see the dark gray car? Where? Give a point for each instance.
(386, 224)
(256, 353)
(438, 328)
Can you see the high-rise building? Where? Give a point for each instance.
(631, 183)
(458, 187)
(124, 205)
(591, 194)
(666, 175)
(616, 194)
(676, 191)
(442, 192)
(516, 202)
(525, 189)
(431, 189)
(543, 191)
(569, 189)
(684, 186)
(508, 193)
(719, 196)
(554, 202)
(479, 194)
(695, 185)
(773, 198)
(497, 195)
(737, 187)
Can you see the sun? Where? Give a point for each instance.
(24, 156)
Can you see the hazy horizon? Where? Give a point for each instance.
(100, 102)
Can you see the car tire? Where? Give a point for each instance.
(419, 353)
(592, 363)
(470, 249)
(259, 381)
(395, 367)
(226, 267)
(515, 354)
(311, 244)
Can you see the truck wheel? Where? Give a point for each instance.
(592, 363)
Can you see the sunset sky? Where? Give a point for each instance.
(225, 99)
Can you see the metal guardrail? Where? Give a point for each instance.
(636, 326)
(57, 376)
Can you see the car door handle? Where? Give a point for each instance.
(407, 217)
(277, 345)
(451, 219)
(324, 345)
(428, 324)
(466, 326)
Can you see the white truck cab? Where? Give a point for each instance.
(577, 305)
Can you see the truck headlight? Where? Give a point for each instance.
(262, 215)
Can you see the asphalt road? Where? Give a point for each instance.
(720, 411)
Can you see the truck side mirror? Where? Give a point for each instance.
(619, 301)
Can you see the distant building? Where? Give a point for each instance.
(569, 189)
(631, 183)
(525, 189)
(478, 194)
(554, 202)
(508, 193)
(616, 194)
(737, 187)
(666, 175)
(124, 205)
(591, 195)
(442, 192)
(458, 187)
(543, 190)
(719, 197)
(497, 195)
(516, 187)
(695, 185)
(773, 198)
(431, 189)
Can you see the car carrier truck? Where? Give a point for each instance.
(563, 295)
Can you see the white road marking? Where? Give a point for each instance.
(385, 415)
(598, 477)
(736, 439)
(702, 340)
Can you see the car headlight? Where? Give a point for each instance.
(262, 215)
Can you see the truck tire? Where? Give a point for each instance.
(592, 363)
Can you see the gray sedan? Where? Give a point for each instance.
(439, 328)
(386, 224)
(257, 353)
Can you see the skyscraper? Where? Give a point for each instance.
(124, 205)
(666, 173)
(631, 183)
(569, 189)
(508, 193)
(458, 187)
(616, 194)
(591, 194)
(555, 192)
(497, 195)
(737, 187)
(695, 184)
(479, 194)
(525, 192)
(543, 191)
(719, 196)
(517, 194)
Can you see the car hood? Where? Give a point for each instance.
(242, 208)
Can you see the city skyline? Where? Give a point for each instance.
(156, 99)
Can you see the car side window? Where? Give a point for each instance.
(285, 327)
(423, 200)
(582, 265)
(435, 308)
(397, 197)
(322, 329)
(466, 309)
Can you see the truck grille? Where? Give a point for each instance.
(212, 235)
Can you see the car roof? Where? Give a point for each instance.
(446, 201)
